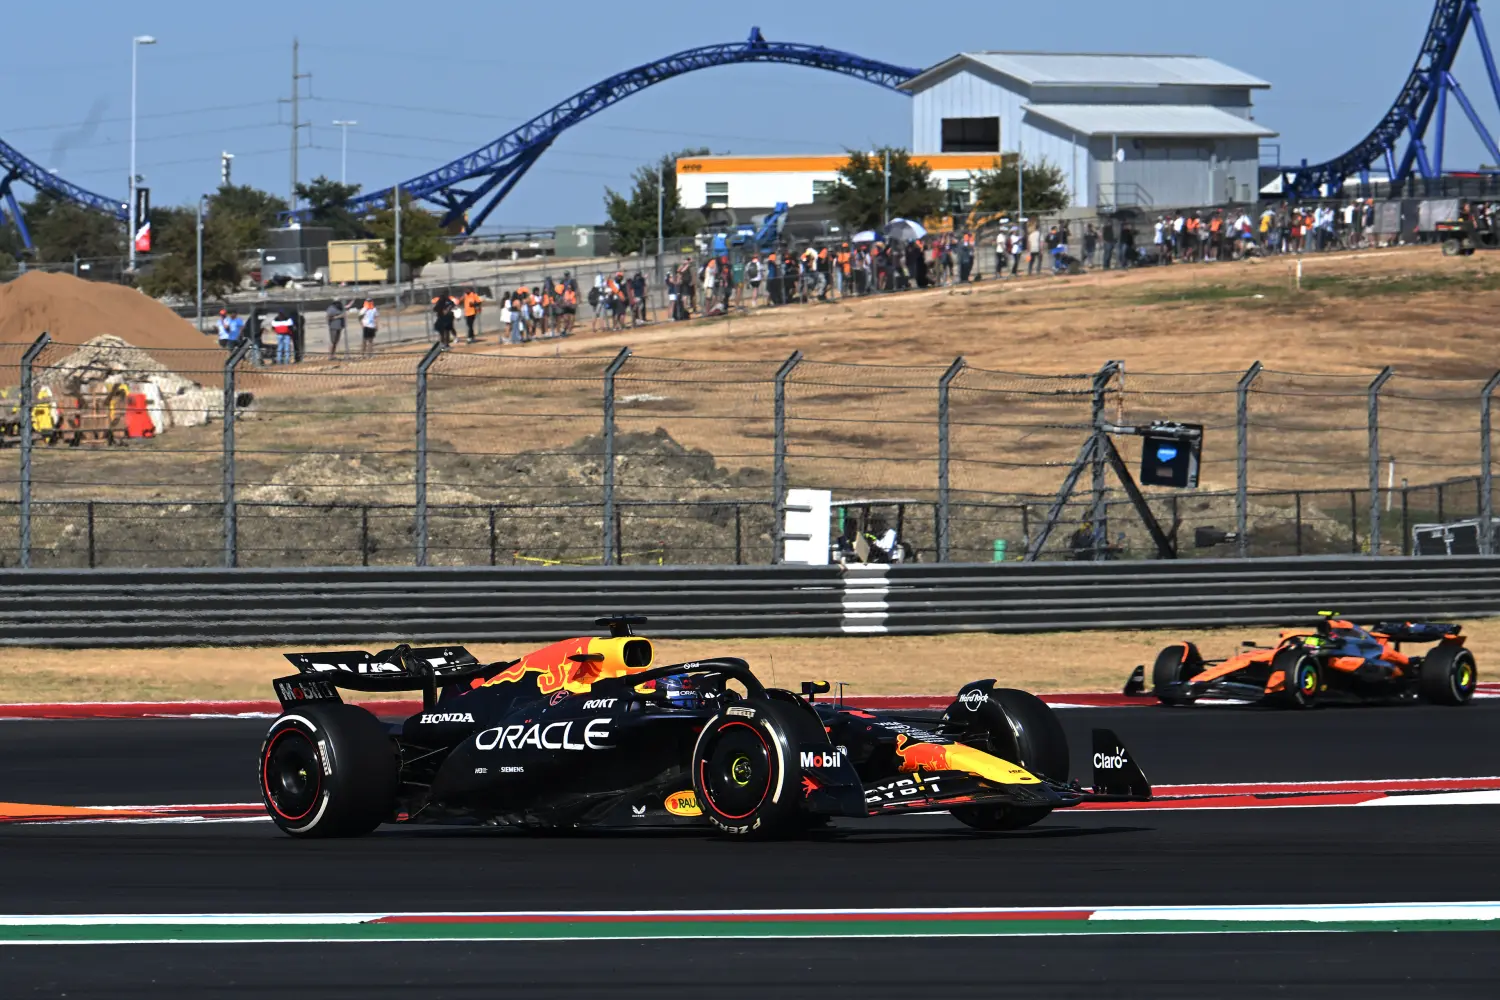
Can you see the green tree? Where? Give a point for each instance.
(422, 239)
(1045, 187)
(328, 204)
(61, 230)
(249, 212)
(632, 220)
(859, 197)
(173, 269)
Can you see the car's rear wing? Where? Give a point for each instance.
(403, 668)
(1416, 631)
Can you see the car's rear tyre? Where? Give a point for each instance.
(1015, 726)
(746, 769)
(1176, 663)
(1448, 675)
(328, 771)
(1452, 248)
(1302, 676)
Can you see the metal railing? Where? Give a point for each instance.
(459, 457)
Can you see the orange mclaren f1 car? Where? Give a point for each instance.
(1338, 661)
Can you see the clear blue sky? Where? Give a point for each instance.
(427, 84)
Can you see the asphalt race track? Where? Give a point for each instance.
(1233, 856)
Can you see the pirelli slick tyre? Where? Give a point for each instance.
(747, 771)
(1302, 676)
(328, 771)
(1018, 727)
(1448, 675)
(1176, 663)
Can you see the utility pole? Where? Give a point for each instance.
(397, 261)
(297, 123)
(661, 201)
(135, 48)
(886, 203)
(201, 200)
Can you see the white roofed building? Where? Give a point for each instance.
(1126, 130)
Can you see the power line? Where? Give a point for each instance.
(159, 114)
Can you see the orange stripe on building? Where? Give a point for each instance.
(821, 164)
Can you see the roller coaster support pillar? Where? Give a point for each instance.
(1476, 20)
(611, 539)
(510, 181)
(943, 449)
(433, 353)
(778, 473)
(1486, 471)
(1473, 116)
(15, 209)
(1374, 428)
(28, 399)
(1242, 458)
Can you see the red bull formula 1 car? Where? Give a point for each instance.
(588, 733)
(1338, 661)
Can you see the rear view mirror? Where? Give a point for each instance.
(811, 688)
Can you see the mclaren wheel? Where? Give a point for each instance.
(746, 769)
(1015, 726)
(1302, 676)
(1448, 675)
(1176, 663)
(328, 771)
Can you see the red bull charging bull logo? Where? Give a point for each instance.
(575, 665)
(920, 756)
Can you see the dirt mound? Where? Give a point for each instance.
(74, 310)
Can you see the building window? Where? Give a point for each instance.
(958, 196)
(718, 193)
(971, 135)
(823, 189)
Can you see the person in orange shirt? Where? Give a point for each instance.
(472, 304)
(841, 272)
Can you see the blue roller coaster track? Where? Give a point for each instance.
(489, 173)
(1399, 145)
(14, 167)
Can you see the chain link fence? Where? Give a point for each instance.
(447, 458)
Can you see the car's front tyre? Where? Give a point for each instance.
(1301, 676)
(328, 771)
(1013, 725)
(746, 770)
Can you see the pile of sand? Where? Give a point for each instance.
(75, 311)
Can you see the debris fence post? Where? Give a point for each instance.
(778, 460)
(433, 353)
(1374, 426)
(611, 539)
(944, 510)
(231, 511)
(1242, 459)
(1486, 476)
(1100, 514)
(28, 399)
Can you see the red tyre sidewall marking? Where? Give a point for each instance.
(704, 779)
(265, 781)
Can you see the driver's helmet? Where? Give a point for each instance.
(690, 690)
